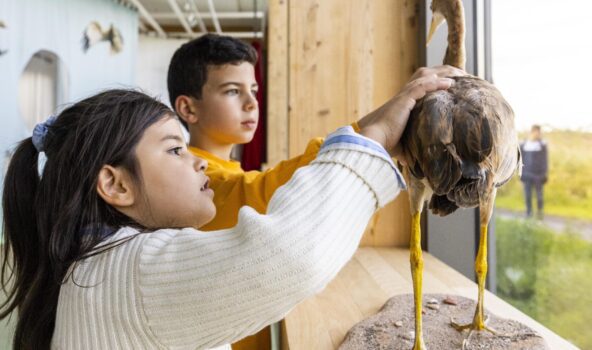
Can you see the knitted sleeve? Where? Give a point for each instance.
(201, 290)
(254, 188)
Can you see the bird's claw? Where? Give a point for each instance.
(472, 328)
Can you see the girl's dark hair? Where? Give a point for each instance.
(54, 220)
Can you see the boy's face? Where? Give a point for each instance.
(228, 112)
(175, 190)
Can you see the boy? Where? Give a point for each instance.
(212, 87)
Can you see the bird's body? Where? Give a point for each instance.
(461, 141)
(460, 145)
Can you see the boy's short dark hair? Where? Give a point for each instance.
(188, 70)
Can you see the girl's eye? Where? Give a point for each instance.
(254, 92)
(176, 151)
(232, 92)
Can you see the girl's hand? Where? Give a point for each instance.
(387, 123)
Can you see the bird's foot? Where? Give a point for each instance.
(472, 327)
(419, 344)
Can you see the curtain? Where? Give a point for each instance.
(254, 153)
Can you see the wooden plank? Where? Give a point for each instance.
(432, 282)
(339, 310)
(392, 279)
(277, 82)
(330, 67)
(346, 59)
(304, 328)
(390, 226)
(366, 292)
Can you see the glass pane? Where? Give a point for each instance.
(540, 49)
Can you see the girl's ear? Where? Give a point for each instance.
(115, 187)
(186, 109)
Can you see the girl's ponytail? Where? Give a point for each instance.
(21, 250)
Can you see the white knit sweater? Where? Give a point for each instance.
(186, 289)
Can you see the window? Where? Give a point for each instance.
(539, 53)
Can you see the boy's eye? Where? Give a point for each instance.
(254, 92)
(176, 151)
(232, 92)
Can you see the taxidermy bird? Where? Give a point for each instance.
(94, 34)
(460, 145)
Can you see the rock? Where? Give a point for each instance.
(392, 328)
(434, 306)
(450, 301)
(409, 336)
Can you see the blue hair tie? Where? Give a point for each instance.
(40, 133)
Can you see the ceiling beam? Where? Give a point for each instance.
(146, 15)
(220, 15)
(214, 17)
(180, 16)
(202, 25)
(239, 35)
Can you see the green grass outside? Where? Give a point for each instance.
(546, 275)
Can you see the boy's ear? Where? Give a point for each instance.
(115, 187)
(186, 109)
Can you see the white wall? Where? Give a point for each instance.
(57, 26)
(154, 56)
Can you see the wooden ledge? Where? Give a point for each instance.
(367, 282)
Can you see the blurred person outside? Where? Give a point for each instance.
(535, 171)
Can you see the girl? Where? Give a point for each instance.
(102, 248)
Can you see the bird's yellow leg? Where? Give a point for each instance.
(481, 269)
(416, 260)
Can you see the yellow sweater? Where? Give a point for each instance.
(234, 188)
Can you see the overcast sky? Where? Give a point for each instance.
(542, 60)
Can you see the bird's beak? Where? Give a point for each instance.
(437, 20)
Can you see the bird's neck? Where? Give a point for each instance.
(455, 53)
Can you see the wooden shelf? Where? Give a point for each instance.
(367, 282)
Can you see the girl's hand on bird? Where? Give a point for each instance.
(443, 71)
(387, 123)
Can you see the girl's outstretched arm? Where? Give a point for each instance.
(189, 289)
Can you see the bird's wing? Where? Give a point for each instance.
(92, 34)
(472, 124)
(115, 38)
(427, 141)
(505, 157)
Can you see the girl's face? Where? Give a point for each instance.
(175, 190)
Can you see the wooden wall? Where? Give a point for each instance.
(331, 62)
